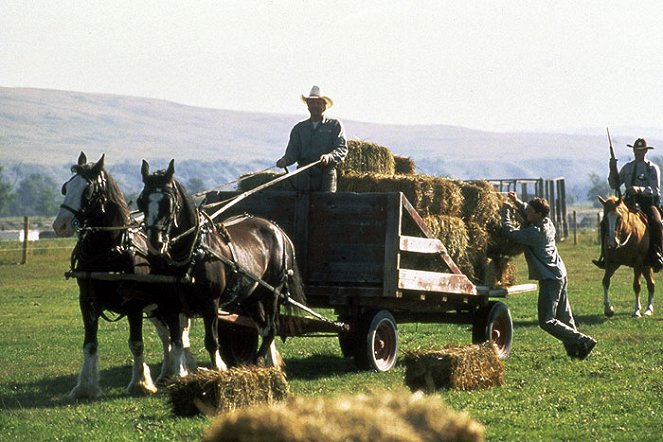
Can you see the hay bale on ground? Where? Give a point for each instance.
(404, 165)
(223, 391)
(365, 157)
(468, 367)
(376, 416)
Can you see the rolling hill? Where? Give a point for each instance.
(42, 131)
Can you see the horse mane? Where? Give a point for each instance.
(188, 205)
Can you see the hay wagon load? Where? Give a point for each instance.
(364, 256)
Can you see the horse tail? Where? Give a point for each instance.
(295, 283)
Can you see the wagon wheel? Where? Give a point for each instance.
(377, 341)
(493, 322)
(238, 345)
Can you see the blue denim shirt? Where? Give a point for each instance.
(543, 260)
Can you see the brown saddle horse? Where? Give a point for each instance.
(626, 243)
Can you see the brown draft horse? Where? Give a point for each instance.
(108, 241)
(626, 243)
(230, 265)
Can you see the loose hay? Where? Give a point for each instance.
(396, 416)
(223, 391)
(468, 367)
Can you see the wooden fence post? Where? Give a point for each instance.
(26, 226)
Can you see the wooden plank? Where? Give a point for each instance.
(503, 292)
(426, 231)
(435, 282)
(421, 245)
(136, 277)
(394, 221)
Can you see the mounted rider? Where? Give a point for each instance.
(641, 178)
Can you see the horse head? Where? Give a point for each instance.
(619, 228)
(167, 208)
(85, 194)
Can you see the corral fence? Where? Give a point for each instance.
(552, 189)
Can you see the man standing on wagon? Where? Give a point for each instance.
(318, 138)
(642, 180)
(546, 266)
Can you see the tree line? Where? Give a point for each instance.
(35, 195)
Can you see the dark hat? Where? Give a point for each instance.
(640, 144)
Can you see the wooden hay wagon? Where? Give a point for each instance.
(352, 249)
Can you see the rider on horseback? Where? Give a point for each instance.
(641, 178)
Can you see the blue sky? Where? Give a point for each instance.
(493, 65)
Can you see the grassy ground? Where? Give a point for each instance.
(616, 394)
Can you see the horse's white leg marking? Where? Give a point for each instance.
(88, 379)
(189, 360)
(217, 362)
(141, 378)
(274, 358)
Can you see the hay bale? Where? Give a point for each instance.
(223, 391)
(481, 203)
(428, 195)
(375, 416)
(404, 165)
(365, 157)
(468, 367)
(250, 181)
(450, 230)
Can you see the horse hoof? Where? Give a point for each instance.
(141, 389)
(637, 314)
(609, 311)
(649, 312)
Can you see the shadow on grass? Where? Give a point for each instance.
(50, 392)
(579, 320)
(318, 366)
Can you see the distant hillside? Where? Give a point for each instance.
(44, 130)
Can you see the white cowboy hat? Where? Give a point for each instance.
(315, 93)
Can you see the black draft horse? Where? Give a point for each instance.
(108, 241)
(227, 263)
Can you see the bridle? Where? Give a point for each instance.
(93, 193)
(170, 220)
(169, 192)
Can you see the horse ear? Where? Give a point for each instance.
(99, 165)
(145, 170)
(82, 159)
(171, 170)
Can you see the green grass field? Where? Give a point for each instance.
(616, 394)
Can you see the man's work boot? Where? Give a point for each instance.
(600, 263)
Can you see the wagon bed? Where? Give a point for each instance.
(351, 249)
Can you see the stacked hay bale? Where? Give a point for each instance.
(383, 415)
(212, 392)
(464, 216)
(468, 367)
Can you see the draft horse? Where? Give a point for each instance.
(108, 241)
(245, 265)
(626, 243)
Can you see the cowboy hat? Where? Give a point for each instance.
(640, 144)
(315, 93)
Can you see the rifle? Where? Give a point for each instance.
(613, 164)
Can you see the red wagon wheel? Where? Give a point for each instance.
(377, 341)
(493, 322)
